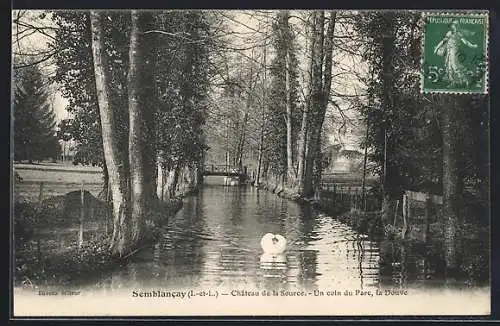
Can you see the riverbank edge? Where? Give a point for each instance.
(94, 257)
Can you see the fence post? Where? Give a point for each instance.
(396, 212)
(334, 193)
(406, 214)
(82, 213)
(37, 227)
(364, 199)
(425, 229)
(106, 213)
(355, 199)
(406, 206)
(358, 199)
(349, 197)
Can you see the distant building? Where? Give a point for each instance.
(68, 150)
(342, 159)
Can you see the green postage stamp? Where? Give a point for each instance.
(455, 53)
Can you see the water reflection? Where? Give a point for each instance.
(214, 241)
(273, 269)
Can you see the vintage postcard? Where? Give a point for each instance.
(250, 163)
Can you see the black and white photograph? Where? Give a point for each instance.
(209, 162)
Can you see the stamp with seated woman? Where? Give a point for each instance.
(455, 53)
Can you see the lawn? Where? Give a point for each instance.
(57, 179)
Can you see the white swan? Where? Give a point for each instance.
(273, 243)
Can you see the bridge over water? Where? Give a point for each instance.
(224, 170)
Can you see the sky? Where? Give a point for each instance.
(38, 42)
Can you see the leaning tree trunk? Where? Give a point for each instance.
(450, 183)
(114, 161)
(141, 153)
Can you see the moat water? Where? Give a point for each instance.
(214, 242)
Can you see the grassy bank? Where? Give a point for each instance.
(48, 255)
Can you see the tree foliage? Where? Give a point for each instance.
(182, 74)
(180, 51)
(74, 74)
(34, 119)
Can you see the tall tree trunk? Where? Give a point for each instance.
(105, 188)
(167, 183)
(192, 177)
(249, 104)
(265, 166)
(141, 153)
(161, 172)
(284, 17)
(171, 181)
(450, 183)
(387, 103)
(301, 151)
(175, 181)
(200, 166)
(365, 160)
(263, 122)
(289, 131)
(242, 140)
(118, 181)
(325, 97)
(305, 123)
(315, 101)
(261, 152)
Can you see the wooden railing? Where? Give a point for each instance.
(221, 168)
(346, 190)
